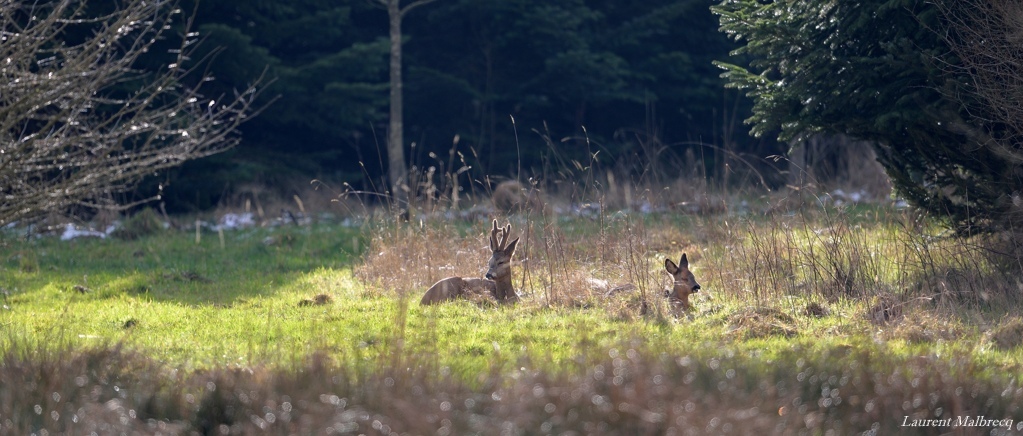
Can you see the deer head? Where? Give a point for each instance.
(684, 281)
(500, 261)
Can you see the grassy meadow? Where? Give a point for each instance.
(810, 320)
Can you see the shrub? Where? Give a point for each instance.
(911, 76)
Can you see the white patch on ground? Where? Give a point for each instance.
(72, 232)
(235, 221)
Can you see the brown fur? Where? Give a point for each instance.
(498, 282)
(457, 287)
(684, 282)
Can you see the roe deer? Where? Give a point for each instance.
(685, 282)
(498, 280)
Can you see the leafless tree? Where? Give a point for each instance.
(397, 170)
(987, 37)
(80, 120)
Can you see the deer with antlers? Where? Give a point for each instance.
(498, 281)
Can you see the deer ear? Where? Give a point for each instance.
(510, 249)
(684, 262)
(670, 267)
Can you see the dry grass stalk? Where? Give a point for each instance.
(823, 254)
(511, 196)
(395, 261)
(632, 390)
(1008, 334)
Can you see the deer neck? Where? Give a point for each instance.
(505, 290)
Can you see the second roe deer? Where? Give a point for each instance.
(498, 281)
(684, 282)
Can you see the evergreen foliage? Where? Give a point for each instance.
(625, 72)
(629, 74)
(881, 70)
(330, 74)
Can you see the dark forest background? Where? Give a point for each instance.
(495, 85)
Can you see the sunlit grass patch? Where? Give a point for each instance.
(195, 304)
(296, 312)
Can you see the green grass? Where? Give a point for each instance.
(206, 307)
(190, 304)
(200, 305)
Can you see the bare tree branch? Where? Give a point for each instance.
(987, 37)
(79, 121)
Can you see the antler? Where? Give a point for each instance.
(504, 236)
(493, 237)
(495, 232)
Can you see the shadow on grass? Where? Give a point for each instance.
(171, 267)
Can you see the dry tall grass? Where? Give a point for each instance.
(632, 390)
(818, 253)
(407, 259)
(557, 264)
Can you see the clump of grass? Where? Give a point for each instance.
(689, 196)
(573, 268)
(919, 325)
(761, 322)
(884, 309)
(816, 310)
(1008, 334)
(318, 300)
(512, 196)
(143, 223)
(820, 253)
(405, 260)
(859, 252)
(631, 307)
(86, 391)
(186, 276)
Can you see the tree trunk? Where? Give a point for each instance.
(397, 171)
